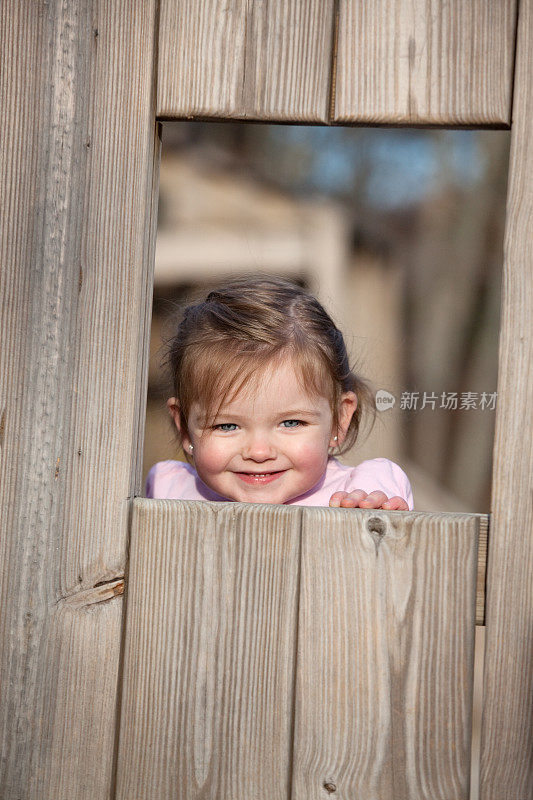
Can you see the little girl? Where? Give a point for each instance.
(263, 394)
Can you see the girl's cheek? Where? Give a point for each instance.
(212, 453)
(309, 455)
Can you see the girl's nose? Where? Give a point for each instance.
(259, 447)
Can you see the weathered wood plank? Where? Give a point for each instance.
(78, 149)
(425, 62)
(209, 652)
(237, 59)
(507, 723)
(385, 656)
(482, 549)
(213, 633)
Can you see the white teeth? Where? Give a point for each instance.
(260, 474)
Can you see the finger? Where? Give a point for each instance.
(374, 500)
(396, 504)
(353, 499)
(335, 499)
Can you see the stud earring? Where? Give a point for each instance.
(191, 448)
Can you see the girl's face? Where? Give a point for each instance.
(269, 445)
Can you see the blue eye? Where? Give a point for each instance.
(226, 426)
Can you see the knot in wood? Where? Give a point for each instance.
(377, 529)
(376, 525)
(330, 787)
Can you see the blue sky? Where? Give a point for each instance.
(402, 165)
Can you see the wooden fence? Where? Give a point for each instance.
(288, 652)
(83, 85)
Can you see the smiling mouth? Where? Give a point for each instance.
(259, 477)
(272, 472)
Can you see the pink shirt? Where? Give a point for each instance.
(177, 480)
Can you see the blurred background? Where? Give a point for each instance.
(398, 232)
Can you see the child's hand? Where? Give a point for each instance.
(361, 499)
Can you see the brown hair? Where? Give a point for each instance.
(250, 322)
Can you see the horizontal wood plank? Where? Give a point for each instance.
(242, 60)
(425, 62)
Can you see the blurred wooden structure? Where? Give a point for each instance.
(84, 84)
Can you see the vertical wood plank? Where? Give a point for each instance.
(425, 62)
(212, 596)
(244, 59)
(385, 656)
(79, 151)
(507, 722)
(482, 568)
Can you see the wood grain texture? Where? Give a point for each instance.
(484, 521)
(425, 62)
(507, 723)
(377, 662)
(210, 651)
(246, 60)
(78, 155)
(385, 655)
